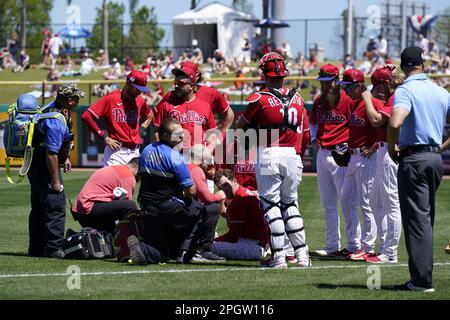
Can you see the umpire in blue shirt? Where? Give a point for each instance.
(51, 143)
(417, 125)
(165, 196)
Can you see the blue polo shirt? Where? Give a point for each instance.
(428, 105)
(55, 132)
(164, 173)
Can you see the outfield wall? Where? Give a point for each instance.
(88, 150)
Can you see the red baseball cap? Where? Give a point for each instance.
(328, 72)
(191, 65)
(138, 79)
(352, 76)
(185, 71)
(381, 75)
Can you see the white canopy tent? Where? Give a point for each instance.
(215, 26)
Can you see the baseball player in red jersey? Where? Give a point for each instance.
(211, 96)
(194, 115)
(278, 110)
(122, 111)
(360, 173)
(329, 133)
(248, 234)
(384, 200)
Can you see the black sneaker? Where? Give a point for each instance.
(207, 256)
(57, 254)
(183, 257)
(136, 254)
(409, 286)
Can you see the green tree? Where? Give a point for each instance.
(144, 32)
(37, 17)
(116, 37)
(442, 29)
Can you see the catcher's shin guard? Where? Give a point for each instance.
(272, 214)
(294, 227)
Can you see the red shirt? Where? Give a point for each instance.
(203, 194)
(122, 116)
(331, 121)
(195, 117)
(245, 219)
(266, 111)
(211, 96)
(361, 132)
(100, 186)
(386, 111)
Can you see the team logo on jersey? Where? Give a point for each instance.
(188, 117)
(246, 167)
(331, 117)
(357, 121)
(125, 117)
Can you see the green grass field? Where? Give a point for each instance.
(22, 277)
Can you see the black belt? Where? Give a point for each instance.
(130, 145)
(419, 149)
(335, 147)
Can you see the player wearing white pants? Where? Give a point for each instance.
(278, 112)
(385, 200)
(329, 121)
(358, 182)
(121, 156)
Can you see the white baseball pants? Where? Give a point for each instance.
(357, 189)
(330, 180)
(386, 205)
(121, 156)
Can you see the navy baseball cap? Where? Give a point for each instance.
(412, 57)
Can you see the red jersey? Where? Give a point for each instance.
(386, 111)
(121, 115)
(266, 111)
(211, 96)
(243, 169)
(245, 219)
(361, 132)
(303, 135)
(195, 117)
(331, 121)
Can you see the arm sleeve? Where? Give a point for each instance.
(251, 113)
(203, 193)
(384, 109)
(313, 115)
(88, 120)
(402, 99)
(159, 114)
(211, 124)
(146, 112)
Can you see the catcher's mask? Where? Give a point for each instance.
(273, 65)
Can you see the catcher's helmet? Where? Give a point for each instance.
(273, 65)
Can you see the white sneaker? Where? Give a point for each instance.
(278, 261)
(304, 262)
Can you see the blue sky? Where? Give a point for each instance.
(322, 33)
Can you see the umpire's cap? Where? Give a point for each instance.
(69, 90)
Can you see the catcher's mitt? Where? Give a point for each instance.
(342, 158)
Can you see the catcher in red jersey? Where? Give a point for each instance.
(122, 111)
(194, 115)
(278, 111)
(329, 120)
